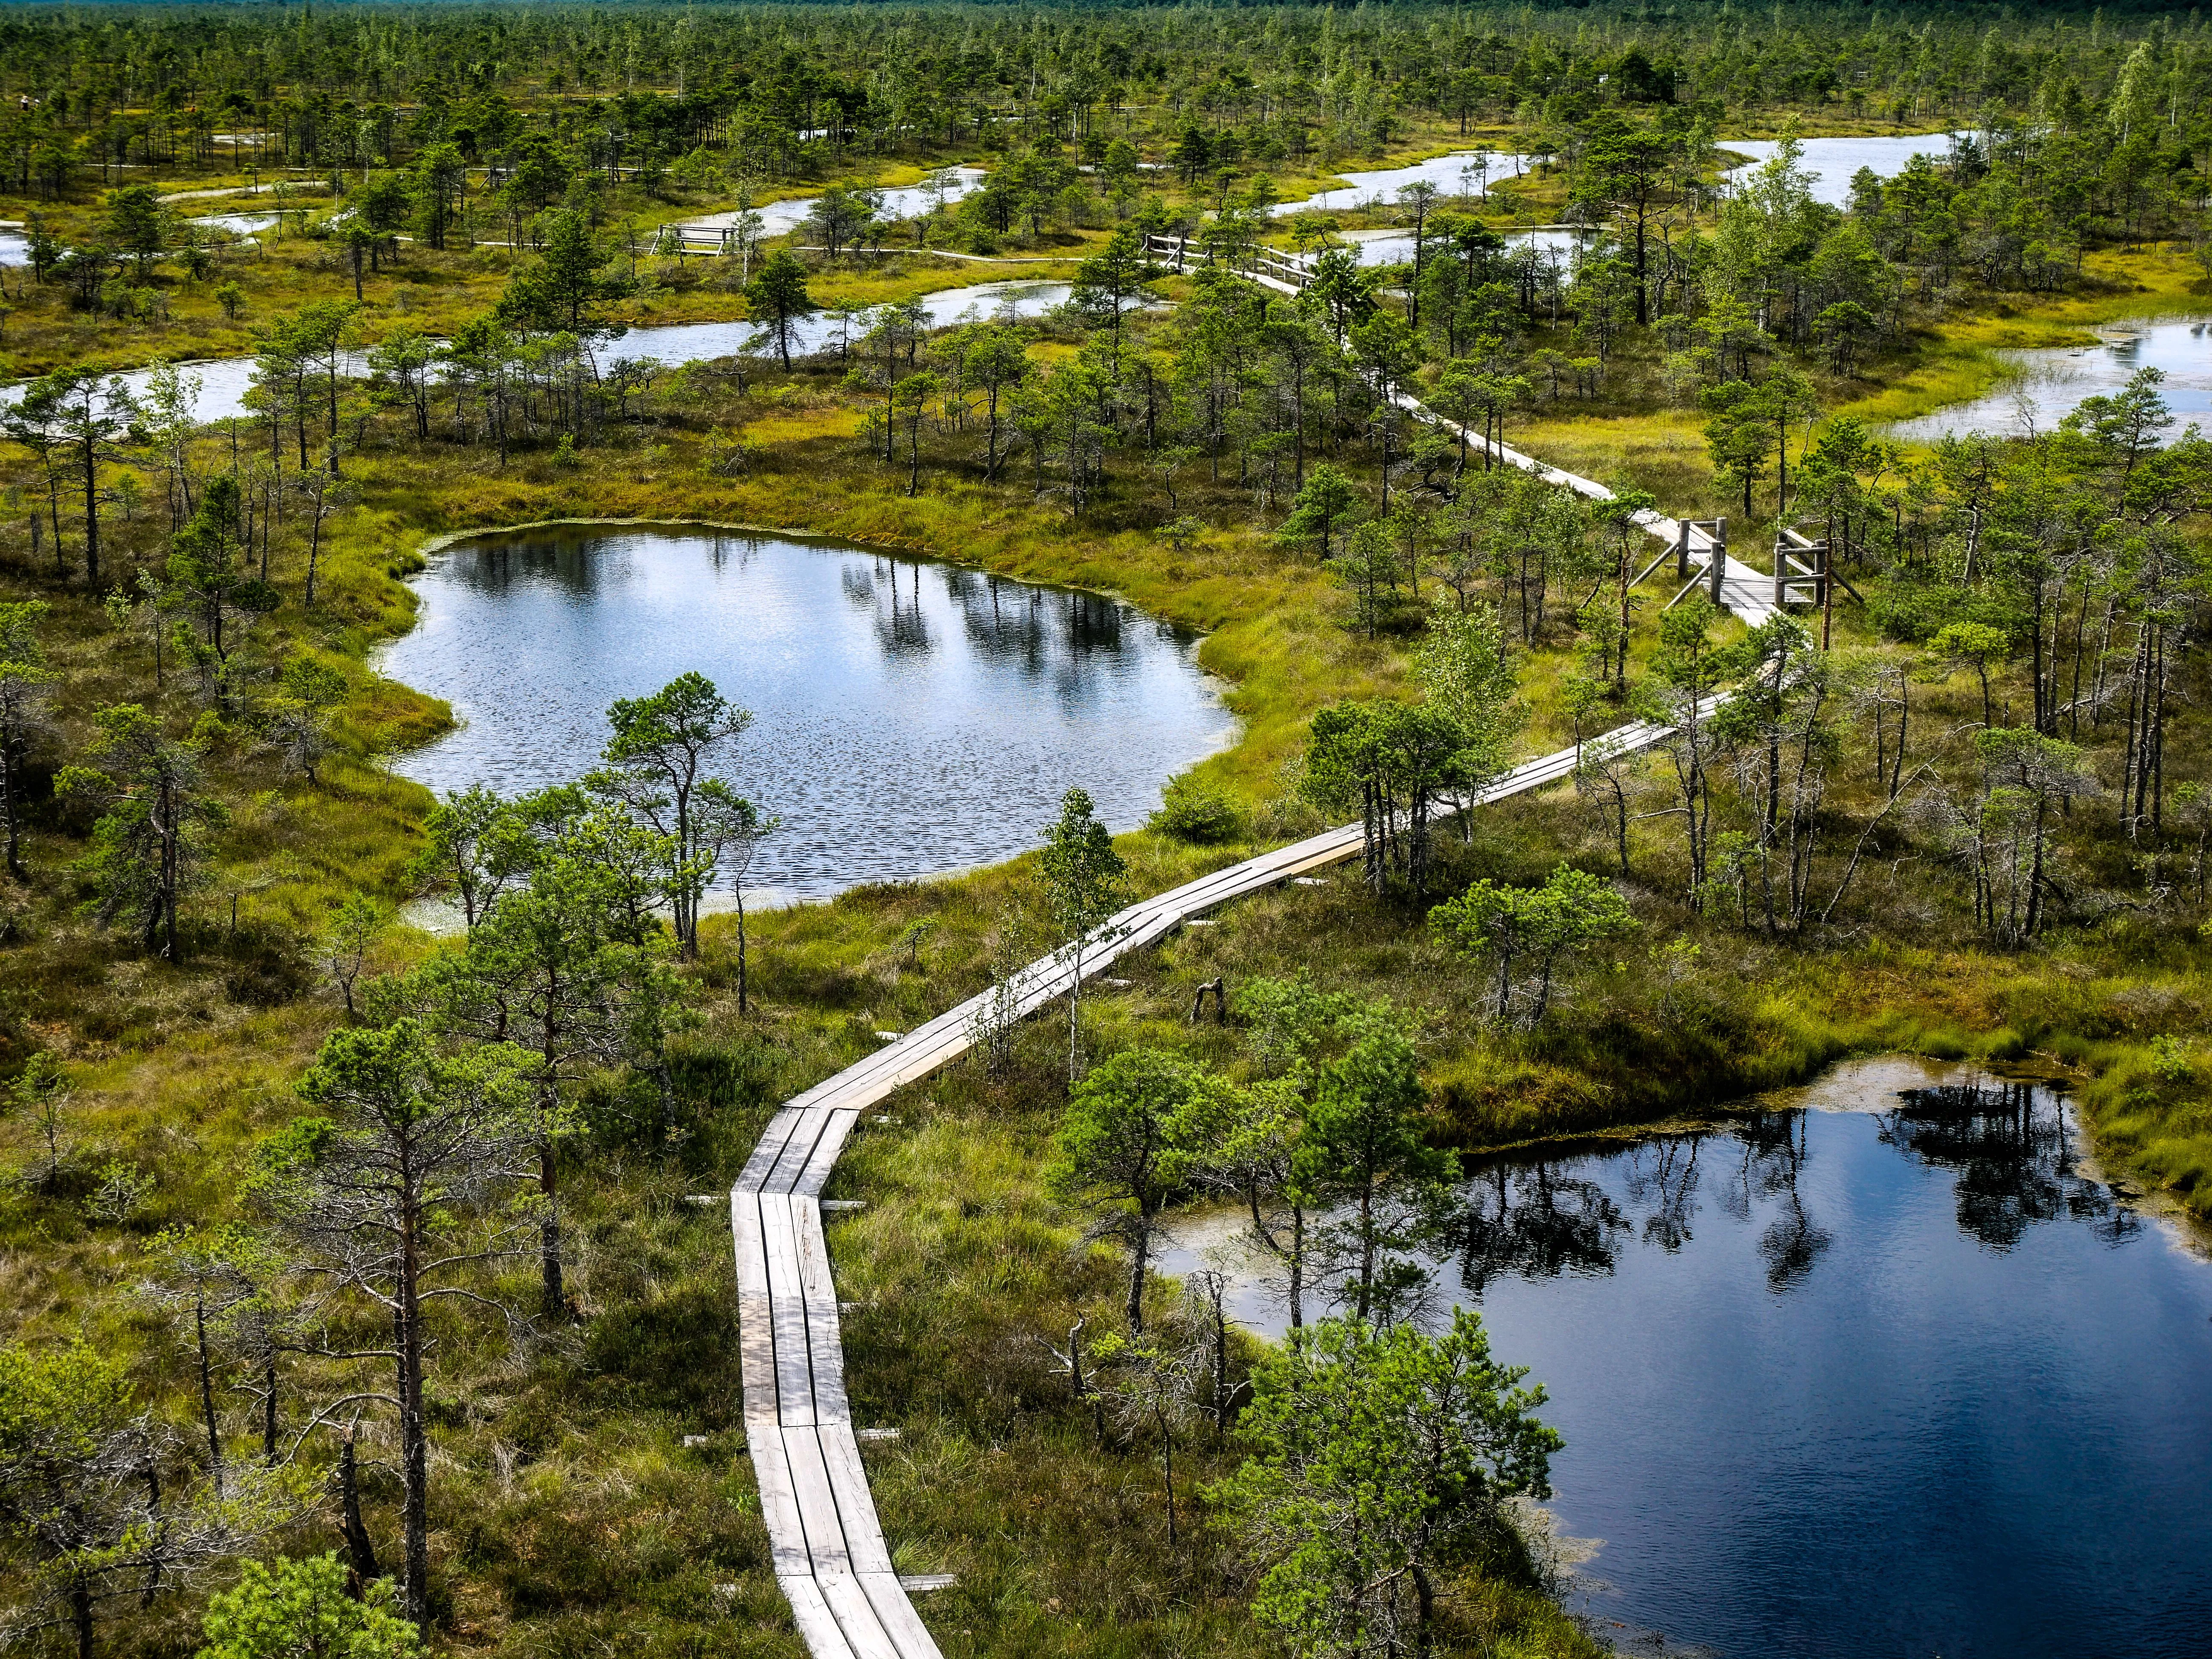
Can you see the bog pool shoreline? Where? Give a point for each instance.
(1871, 1283)
(913, 712)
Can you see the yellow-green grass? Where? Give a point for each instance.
(1660, 450)
(1957, 359)
(569, 1516)
(1824, 121)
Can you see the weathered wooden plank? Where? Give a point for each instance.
(794, 1366)
(856, 1505)
(791, 1163)
(768, 1148)
(756, 1359)
(896, 1608)
(818, 1292)
(817, 1503)
(787, 1532)
(856, 1616)
(817, 1626)
(831, 1141)
(746, 1239)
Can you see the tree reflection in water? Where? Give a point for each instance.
(2015, 1157)
(1774, 1155)
(1001, 621)
(910, 717)
(2014, 1151)
(902, 629)
(1535, 1220)
(1662, 1174)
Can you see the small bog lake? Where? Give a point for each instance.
(910, 717)
(2045, 384)
(1887, 1370)
(1830, 164)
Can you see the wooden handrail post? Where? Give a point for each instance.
(1827, 593)
(1719, 567)
(1682, 549)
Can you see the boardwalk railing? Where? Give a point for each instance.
(1286, 273)
(825, 1541)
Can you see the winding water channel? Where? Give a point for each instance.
(1884, 1370)
(911, 717)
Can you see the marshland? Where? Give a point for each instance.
(500, 691)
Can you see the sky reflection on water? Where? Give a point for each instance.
(1887, 1373)
(2047, 384)
(912, 718)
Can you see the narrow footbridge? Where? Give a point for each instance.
(1699, 546)
(827, 1544)
(1802, 569)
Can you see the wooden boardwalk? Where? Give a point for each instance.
(1746, 591)
(827, 1545)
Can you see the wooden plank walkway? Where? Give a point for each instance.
(1747, 592)
(825, 1538)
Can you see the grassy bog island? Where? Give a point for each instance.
(1416, 801)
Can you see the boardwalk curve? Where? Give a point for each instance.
(825, 1541)
(827, 1544)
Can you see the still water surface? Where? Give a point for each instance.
(1884, 1373)
(1832, 161)
(1829, 163)
(778, 218)
(910, 717)
(224, 381)
(2045, 385)
(1465, 172)
(1386, 247)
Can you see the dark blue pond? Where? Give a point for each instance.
(1886, 1373)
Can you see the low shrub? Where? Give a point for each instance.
(1199, 813)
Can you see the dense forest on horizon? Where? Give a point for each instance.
(787, 88)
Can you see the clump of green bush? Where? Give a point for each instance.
(1199, 813)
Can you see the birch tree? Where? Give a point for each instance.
(1085, 883)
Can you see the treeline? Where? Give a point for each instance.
(775, 90)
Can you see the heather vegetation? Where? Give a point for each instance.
(353, 1294)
